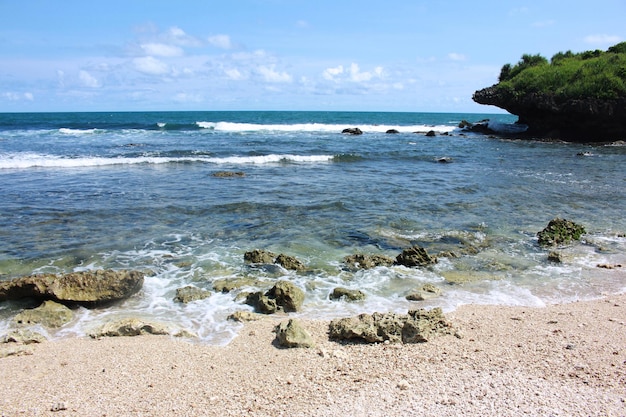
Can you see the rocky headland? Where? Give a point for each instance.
(574, 97)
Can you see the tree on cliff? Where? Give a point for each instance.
(573, 94)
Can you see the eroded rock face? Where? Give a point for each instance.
(583, 120)
(415, 256)
(129, 327)
(426, 292)
(89, 288)
(188, 294)
(417, 326)
(560, 231)
(361, 261)
(352, 131)
(50, 314)
(292, 335)
(260, 257)
(284, 296)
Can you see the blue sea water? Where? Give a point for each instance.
(82, 191)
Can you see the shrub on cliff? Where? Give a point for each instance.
(590, 74)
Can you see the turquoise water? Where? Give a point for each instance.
(136, 190)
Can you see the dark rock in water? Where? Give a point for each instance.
(293, 335)
(352, 131)
(555, 257)
(431, 133)
(347, 294)
(415, 327)
(284, 296)
(188, 294)
(229, 174)
(49, 314)
(392, 131)
(89, 288)
(262, 257)
(560, 231)
(289, 262)
(415, 256)
(360, 261)
(129, 327)
(445, 160)
(258, 256)
(287, 295)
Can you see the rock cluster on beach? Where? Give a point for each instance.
(417, 326)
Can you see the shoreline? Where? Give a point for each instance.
(562, 359)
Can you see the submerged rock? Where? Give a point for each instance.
(426, 292)
(243, 316)
(188, 294)
(415, 256)
(49, 314)
(417, 326)
(229, 174)
(89, 288)
(349, 295)
(293, 335)
(560, 231)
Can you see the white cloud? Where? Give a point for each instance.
(543, 23)
(12, 96)
(178, 36)
(456, 57)
(88, 80)
(273, 76)
(161, 49)
(221, 41)
(188, 98)
(602, 39)
(234, 74)
(331, 73)
(150, 65)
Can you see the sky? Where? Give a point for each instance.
(340, 55)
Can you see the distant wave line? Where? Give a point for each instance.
(50, 161)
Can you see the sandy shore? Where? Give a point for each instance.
(563, 360)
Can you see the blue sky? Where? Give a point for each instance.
(393, 55)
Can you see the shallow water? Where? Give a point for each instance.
(136, 190)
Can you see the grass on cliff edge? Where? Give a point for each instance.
(591, 74)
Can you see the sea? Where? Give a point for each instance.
(142, 191)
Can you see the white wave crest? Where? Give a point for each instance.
(29, 160)
(318, 127)
(67, 131)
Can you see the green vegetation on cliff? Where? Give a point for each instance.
(586, 75)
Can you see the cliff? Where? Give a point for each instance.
(575, 97)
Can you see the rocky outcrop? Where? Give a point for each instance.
(346, 294)
(284, 296)
(581, 120)
(352, 131)
(261, 257)
(129, 327)
(89, 288)
(560, 231)
(415, 256)
(415, 327)
(23, 336)
(360, 261)
(292, 335)
(188, 294)
(49, 314)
